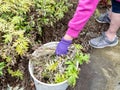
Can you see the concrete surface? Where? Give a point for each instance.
(103, 72)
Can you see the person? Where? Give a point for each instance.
(83, 12)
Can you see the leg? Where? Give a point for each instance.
(109, 38)
(115, 20)
(114, 26)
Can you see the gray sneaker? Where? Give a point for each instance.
(102, 41)
(103, 18)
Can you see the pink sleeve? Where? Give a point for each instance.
(83, 12)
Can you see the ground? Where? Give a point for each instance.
(102, 73)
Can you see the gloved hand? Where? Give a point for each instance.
(62, 47)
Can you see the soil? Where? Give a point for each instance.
(91, 30)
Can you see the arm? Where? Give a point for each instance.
(82, 14)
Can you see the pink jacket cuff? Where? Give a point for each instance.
(73, 33)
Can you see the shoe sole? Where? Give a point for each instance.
(111, 45)
(101, 21)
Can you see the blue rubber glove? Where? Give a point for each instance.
(62, 47)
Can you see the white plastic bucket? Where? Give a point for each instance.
(44, 86)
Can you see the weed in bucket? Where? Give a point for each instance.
(51, 69)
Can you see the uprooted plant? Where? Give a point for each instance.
(50, 68)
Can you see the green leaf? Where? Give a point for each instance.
(53, 66)
(7, 38)
(60, 78)
(2, 65)
(19, 32)
(16, 73)
(17, 19)
(72, 80)
(8, 59)
(78, 46)
(21, 45)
